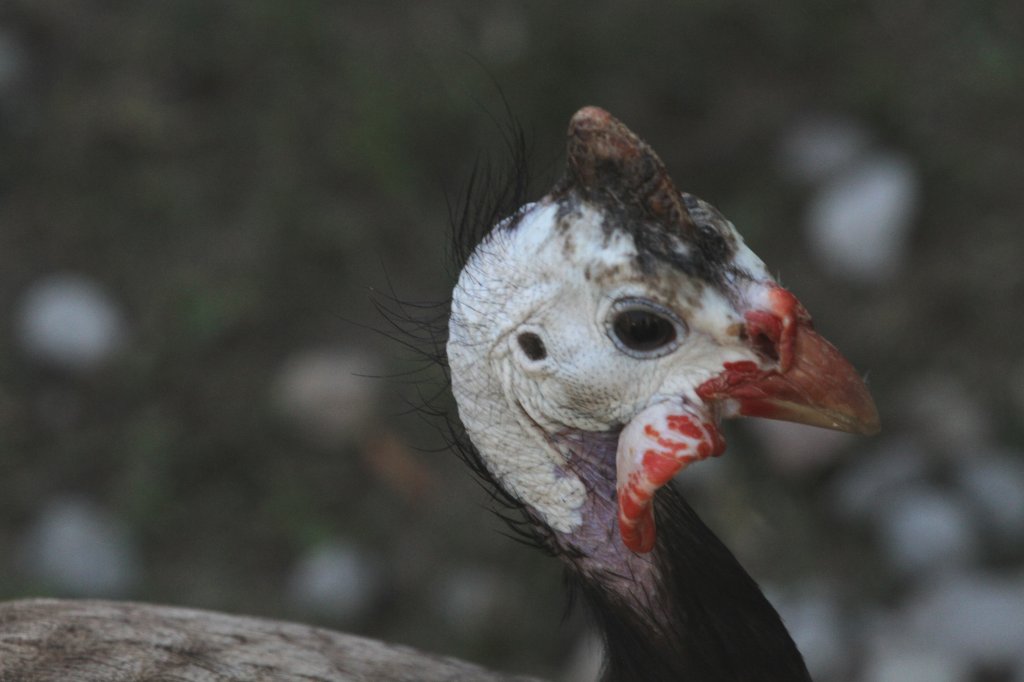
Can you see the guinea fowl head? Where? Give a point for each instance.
(596, 339)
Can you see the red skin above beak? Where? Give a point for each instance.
(812, 383)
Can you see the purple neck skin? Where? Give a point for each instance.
(686, 610)
(595, 549)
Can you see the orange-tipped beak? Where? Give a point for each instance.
(812, 384)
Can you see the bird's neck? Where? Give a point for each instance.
(685, 611)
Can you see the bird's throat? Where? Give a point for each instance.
(595, 549)
(685, 610)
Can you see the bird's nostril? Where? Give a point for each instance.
(532, 346)
(765, 345)
(763, 333)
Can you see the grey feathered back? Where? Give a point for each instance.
(50, 640)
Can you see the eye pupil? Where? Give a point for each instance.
(642, 330)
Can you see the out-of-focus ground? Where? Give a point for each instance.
(197, 197)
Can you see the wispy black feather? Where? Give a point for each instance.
(495, 190)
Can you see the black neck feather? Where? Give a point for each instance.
(706, 618)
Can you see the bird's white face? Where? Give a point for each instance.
(557, 308)
(563, 321)
(588, 340)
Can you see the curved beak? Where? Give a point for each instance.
(807, 379)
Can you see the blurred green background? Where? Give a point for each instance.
(230, 182)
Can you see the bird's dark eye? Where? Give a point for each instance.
(644, 330)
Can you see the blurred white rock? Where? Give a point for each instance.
(858, 223)
(892, 653)
(816, 623)
(873, 479)
(468, 598)
(972, 616)
(335, 580)
(797, 449)
(923, 530)
(956, 421)
(78, 549)
(67, 321)
(898, 662)
(994, 485)
(328, 395)
(816, 147)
